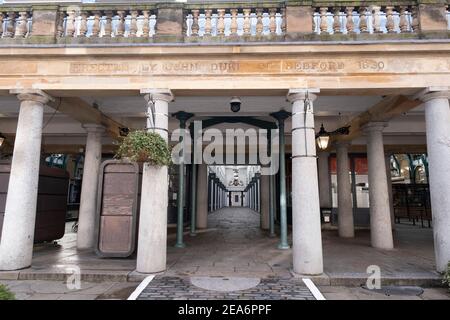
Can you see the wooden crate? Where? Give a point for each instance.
(51, 201)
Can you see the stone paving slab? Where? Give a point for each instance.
(174, 288)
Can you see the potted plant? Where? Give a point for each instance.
(143, 146)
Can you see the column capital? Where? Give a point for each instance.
(342, 144)
(32, 95)
(301, 94)
(433, 93)
(182, 116)
(93, 127)
(377, 126)
(280, 115)
(158, 94)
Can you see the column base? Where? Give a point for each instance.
(282, 246)
(180, 245)
(272, 235)
(193, 234)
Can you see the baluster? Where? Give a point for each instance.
(185, 26)
(415, 19)
(96, 24)
(10, 25)
(70, 24)
(120, 31)
(247, 25)
(363, 20)
(1, 23)
(350, 25)
(208, 24)
(60, 26)
(21, 25)
(390, 24)
(323, 19)
(403, 25)
(146, 24)
(336, 20)
(273, 20)
(221, 22)
(108, 24)
(376, 19)
(259, 22)
(83, 24)
(234, 24)
(195, 26)
(133, 23)
(283, 20)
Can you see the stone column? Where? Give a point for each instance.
(16, 246)
(248, 196)
(89, 187)
(281, 116)
(254, 194)
(389, 183)
(345, 208)
(265, 202)
(202, 196)
(437, 117)
(152, 239)
(213, 194)
(193, 194)
(182, 117)
(219, 197)
(380, 217)
(306, 226)
(257, 192)
(324, 179)
(272, 233)
(216, 195)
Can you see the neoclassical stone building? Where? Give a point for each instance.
(74, 75)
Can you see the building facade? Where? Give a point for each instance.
(73, 75)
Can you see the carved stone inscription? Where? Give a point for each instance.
(288, 66)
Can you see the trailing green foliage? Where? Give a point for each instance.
(447, 276)
(143, 146)
(5, 294)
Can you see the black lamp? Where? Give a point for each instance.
(323, 136)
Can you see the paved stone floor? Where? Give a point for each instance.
(174, 288)
(234, 246)
(59, 290)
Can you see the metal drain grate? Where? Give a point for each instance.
(398, 290)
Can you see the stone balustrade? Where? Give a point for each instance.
(366, 19)
(240, 20)
(236, 22)
(76, 22)
(15, 23)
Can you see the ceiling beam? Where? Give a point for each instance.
(83, 112)
(384, 110)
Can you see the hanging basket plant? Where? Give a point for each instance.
(143, 146)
